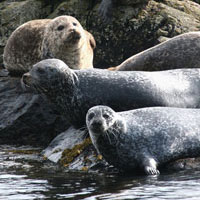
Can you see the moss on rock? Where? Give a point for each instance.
(69, 155)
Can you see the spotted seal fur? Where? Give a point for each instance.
(62, 37)
(144, 139)
(178, 52)
(75, 91)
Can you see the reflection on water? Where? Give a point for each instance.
(27, 176)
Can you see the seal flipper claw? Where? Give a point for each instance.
(151, 170)
(150, 166)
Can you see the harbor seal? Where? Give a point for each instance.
(178, 52)
(75, 91)
(146, 138)
(62, 37)
(105, 9)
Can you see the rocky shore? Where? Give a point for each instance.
(28, 118)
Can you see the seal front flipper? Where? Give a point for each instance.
(150, 165)
(105, 10)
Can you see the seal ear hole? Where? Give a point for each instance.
(74, 24)
(90, 116)
(60, 28)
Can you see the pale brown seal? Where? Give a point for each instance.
(144, 139)
(182, 51)
(62, 37)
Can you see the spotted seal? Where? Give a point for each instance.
(75, 91)
(62, 37)
(178, 52)
(146, 138)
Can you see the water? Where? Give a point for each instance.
(27, 177)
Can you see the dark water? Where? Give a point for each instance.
(25, 176)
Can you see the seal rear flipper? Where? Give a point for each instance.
(150, 166)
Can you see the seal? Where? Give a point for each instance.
(144, 139)
(105, 9)
(62, 37)
(75, 91)
(179, 52)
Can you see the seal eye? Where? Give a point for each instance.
(106, 116)
(60, 28)
(75, 24)
(90, 116)
(41, 71)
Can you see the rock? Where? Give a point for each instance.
(66, 140)
(74, 150)
(137, 27)
(26, 118)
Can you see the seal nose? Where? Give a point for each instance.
(72, 30)
(26, 78)
(96, 125)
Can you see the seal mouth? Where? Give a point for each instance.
(74, 36)
(97, 127)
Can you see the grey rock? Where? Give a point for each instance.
(74, 150)
(26, 118)
(65, 140)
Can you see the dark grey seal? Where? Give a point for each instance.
(75, 91)
(144, 138)
(182, 51)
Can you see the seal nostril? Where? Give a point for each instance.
(72, 30)
(25, 79)
(97, 123)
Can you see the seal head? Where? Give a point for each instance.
(103, 122)
(48, 76)
(65, 34)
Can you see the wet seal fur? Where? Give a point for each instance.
(179, 52)
(75, 91)
(144, 139)
(62, 37)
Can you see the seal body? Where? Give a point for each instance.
(179, 52)
(62, 37)
(75, 91)
(144, 138)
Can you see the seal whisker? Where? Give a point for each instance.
(107, 135)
